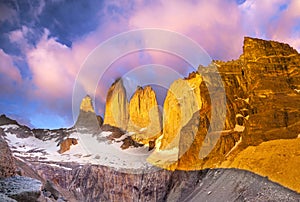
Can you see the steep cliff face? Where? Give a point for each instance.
(262, 104)
(273, 78)
(116, 108)
(188, 118)
(182, 101)
(144, 115)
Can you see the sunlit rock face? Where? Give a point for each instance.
(272, 74)
(182, 101)
(87, 118)
(116, 108)
(86, 104)
(144, 115)
(262, 104)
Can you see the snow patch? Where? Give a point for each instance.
(89, 150)
(58, 166)
(105, 133)
(9, 126)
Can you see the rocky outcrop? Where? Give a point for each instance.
(7, 162)
(87, 118)
(4, 120)
(116, 108)
(144, 115)
(5, 198)
(66, 144)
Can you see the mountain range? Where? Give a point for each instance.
(231, 139)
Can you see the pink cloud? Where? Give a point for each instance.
(8, 69)
(216, 25)
(265, 19)
(52, 68)
(219, 26)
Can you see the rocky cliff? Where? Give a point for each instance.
(272, 74)
(262, 104)
(144, 115)
(116, 108)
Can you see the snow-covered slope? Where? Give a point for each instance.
(91, 149)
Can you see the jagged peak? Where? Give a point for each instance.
(191, 75)
(143, 90)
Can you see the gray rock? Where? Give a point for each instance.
(7, 162)
(5, 198)
(21, 188)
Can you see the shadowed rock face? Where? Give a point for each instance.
(7, 162)
(5, 120)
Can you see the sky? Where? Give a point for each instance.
(43, 44)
